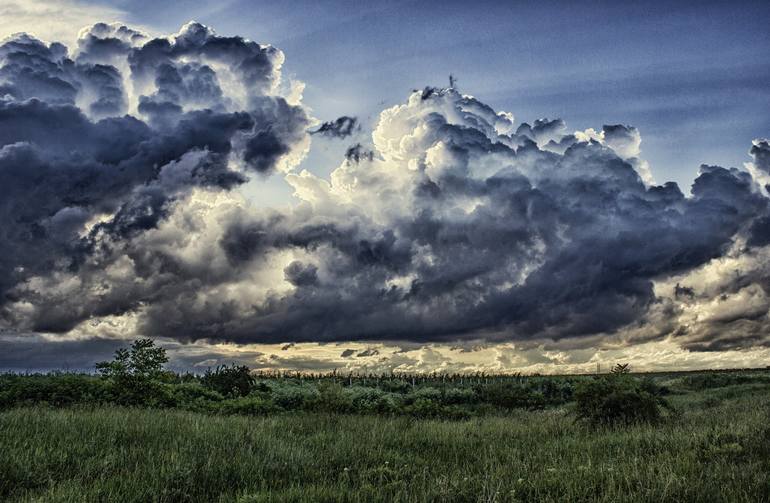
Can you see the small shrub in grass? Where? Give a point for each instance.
(719, 445)
(332, 397)
(618, 399)
(365, 399)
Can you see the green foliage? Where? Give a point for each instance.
(230, 381)
(618, 399)
(52, 389)
(711, 380)
(135, 376)
(195, 397)
(143, 360)
(247, 406)
(296, 397)
(84, 455)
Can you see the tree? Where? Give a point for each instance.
(235, 380)
(134, 375)
(142, 360)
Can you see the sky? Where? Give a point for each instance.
(176, 180)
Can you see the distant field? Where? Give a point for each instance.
(715, 446)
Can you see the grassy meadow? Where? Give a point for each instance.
(712, 444)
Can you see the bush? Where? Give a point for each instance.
(293, 397)
(195, 397)
(511, 396)
(53, 389)
(618, 399)
(458, 396)
(333, 397)
(232, 381)
(141, 392)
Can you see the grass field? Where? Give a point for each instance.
(716, 447)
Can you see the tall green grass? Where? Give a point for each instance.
(716, 448)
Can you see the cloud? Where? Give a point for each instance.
(340, 128)
(82, 180)
(119, 176)
(358, 153)
(52, 20)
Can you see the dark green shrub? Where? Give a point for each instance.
(52, 389)
(459, 396)
(195, 397)
(396, 386)
(230, 381)
(713, 380)
(510, 396)
(293, 397)
(557, 391)
(618, 399)
(332, 397)
(141, 392)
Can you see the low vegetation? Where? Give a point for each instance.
(137, 433)
(136, 378)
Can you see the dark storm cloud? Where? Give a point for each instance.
(342, 127)
(33, 353)
(32, 69)
(456, 225)
(558, 245)
(62, 166)
(176, 86)
(299, 274)
(358, 153)
(277, 127)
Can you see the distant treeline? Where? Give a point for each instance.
(136, 378)
(234, 390)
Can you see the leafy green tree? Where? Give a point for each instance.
(142, 360)
(134, 375)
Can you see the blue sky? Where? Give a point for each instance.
(692, 76)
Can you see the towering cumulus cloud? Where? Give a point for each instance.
(119, 175)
